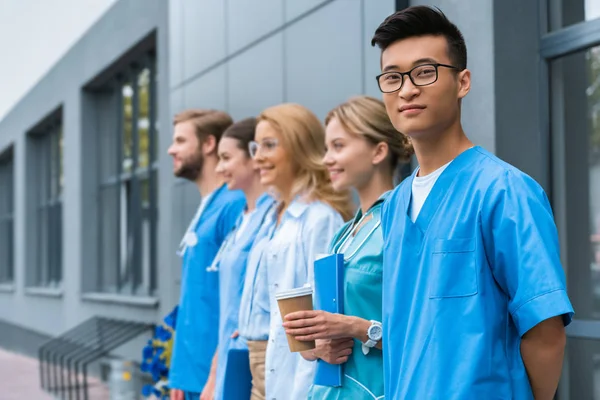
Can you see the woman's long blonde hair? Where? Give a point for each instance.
(303, 138)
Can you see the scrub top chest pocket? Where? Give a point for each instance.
(453, 268)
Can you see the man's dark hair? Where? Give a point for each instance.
(422, 21)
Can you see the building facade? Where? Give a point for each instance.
(90, 214)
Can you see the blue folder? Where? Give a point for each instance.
(238, 379)
(329, 296)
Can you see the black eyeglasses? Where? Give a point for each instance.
(421, 75)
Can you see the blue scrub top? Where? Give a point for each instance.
(196, 332)
(231, 263)
(463, 284)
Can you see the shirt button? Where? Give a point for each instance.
(272, 340)
(276, 285)
(272, 370)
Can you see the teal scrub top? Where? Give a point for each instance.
(363, 259)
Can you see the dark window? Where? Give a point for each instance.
(128, 182)
(7, 210)
(564, 13)
(46, 159)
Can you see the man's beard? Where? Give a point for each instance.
(191, 168)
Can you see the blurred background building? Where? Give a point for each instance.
(90, 214)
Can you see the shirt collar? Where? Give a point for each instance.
(296, 208)
(262, 199)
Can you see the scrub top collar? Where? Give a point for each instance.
(262, 199)
(439, 191)
(231, 236)
(359, 215)
(191, 230)
(347, 237)
(380, 200)
(210, 198)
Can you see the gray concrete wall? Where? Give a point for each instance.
(237, 55)
(522, 128)
(504, 112)
(475, 20)
(52, 312)
(243, 56)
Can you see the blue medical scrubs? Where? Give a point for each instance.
(477, 270)
(196, 333)
(231, 263)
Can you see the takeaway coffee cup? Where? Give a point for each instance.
(289, 301)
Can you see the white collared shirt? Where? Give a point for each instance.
(305, 230)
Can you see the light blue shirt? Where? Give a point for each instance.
(196, 334)
(305, 230)
(231, 263)
(478, 268)
(254, 314)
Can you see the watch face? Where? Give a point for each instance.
(375, 332)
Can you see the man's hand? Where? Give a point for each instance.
(543, 349)
(176, 394)
(334, 351)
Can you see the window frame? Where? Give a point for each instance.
(129, 218)
(554, 45)
(7, 216)
(46, 158)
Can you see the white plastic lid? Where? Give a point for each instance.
(297, 292)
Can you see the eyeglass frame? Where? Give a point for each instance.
(402, 74)
(258, 145)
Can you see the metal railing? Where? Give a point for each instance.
(64, 359)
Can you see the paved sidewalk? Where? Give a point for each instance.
(20, 380)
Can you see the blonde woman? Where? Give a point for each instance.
(288, 150)
(363, 151)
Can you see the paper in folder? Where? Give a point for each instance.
(329, 297)
(238, 379)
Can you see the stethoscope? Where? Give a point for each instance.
(350, 234)
(228, 240)
(190, 239)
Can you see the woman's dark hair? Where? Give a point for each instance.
(243, 132)
(422, 21)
